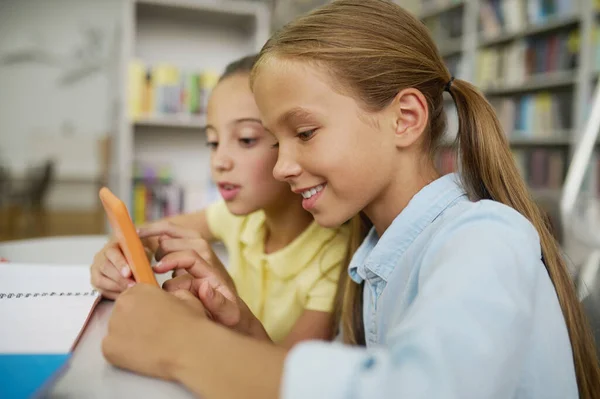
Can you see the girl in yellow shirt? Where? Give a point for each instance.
(283, 265)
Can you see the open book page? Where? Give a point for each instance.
(43, 308)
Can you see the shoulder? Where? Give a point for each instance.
(488, 218)
(482, 233)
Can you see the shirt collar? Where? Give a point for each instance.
(378, 256)
(289, 261)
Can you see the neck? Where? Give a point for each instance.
(411, 178)
(284, 221)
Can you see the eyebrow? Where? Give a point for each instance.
(244, 120)
(293, 115)
(235, 122)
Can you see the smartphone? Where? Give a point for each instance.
(131, 245)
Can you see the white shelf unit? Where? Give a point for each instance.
(438, 8)
(194, 35)
(171, 122)
(579, 81)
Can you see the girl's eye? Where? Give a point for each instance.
(212, 145)
(306, 135)
(248, 142)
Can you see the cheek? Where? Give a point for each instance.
(260, 168)
(352, 164)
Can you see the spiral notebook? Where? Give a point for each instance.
(43, 310)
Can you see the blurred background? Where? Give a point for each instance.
(112, 92)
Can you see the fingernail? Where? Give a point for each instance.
(130, 285)
(125, 271)
(157, 265)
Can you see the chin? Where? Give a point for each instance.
(329, 220)
(238, 208)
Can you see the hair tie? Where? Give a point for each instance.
(447, 86)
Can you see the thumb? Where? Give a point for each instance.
(222, 309)
(190, 300)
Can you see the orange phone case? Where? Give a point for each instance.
(130, 243)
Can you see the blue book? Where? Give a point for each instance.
(25, 376)
(43, 309)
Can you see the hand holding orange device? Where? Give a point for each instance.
(130, 243)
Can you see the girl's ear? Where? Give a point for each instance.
(410, 112)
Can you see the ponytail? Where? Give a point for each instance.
(488, 171)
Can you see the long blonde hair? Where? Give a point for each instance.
(372, 49)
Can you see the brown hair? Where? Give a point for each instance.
(239, 66)
(347, 308)
(372, 50)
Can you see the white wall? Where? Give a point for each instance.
(38, 110)
(39, 113)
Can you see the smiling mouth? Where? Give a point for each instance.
(306, 194)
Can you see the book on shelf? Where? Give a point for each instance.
(432, 5)
(541, 115)
(542, 168)
(515, 63)
(455, 65)
(497, 17)
(596, 44)
(156, 194)
(446, 26)
(166, 89)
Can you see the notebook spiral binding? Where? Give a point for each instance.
(19, 295)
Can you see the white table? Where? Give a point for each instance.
(89, 375)
(71, 250)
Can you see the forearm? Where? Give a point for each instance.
(224, 364)
(311, 325)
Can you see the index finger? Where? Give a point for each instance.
(166, 228)
(188, 260)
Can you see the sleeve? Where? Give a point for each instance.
(464, 335)
(220, 220)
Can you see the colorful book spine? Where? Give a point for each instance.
(165, 89)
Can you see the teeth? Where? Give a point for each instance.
(310, 192)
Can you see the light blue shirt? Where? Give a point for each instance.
(457, 304)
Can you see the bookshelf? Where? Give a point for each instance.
(536, 61)
(186, 122)
(171, 54)
(553, 23)
(431, 9)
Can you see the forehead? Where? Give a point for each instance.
(233, 95)
(283, 85)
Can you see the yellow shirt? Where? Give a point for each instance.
(278, 287)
